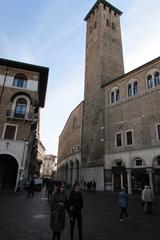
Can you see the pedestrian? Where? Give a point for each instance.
(58, 205)
(147, 198)
(94, 186)
(76, 205)
(31, 188)
(123, 204)
(50, 189)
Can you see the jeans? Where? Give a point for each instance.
(79, 221)
(123, 212)
(56, 235)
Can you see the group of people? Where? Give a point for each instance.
(146, 202)
(59, 203)
(90, 186)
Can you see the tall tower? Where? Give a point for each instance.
(104, 62)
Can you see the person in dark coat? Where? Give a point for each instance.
(123, 204)
(76, 205)
(58, 205)
(31, 188)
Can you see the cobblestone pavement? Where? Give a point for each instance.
(28, 219)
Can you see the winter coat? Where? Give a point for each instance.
(58, 205)
(75, 203)
(147, 195)
(123, 199)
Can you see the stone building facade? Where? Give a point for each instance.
(22, 94)
(132, 129)
(69, 151)
(48, 166)
(120, 129)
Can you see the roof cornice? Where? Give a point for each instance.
(107, 4)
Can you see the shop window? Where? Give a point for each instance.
(10, 132)
(118, 139)
(20, 80)
(129, 138)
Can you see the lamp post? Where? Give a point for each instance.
(103, 158)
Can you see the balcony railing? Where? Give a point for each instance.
(28, 116)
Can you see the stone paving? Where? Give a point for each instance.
(28, 219)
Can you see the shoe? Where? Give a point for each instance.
(127, 218)
(121, 220)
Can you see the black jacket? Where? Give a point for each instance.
(75, 203)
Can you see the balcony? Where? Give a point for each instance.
(28, 116)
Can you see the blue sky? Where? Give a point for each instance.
(52, 34)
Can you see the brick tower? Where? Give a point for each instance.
(104, 62)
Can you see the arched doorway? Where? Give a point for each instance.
(139, 176)
(8, 171)
(119, 175)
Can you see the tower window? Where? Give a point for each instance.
(113, 26)
(10, 132)
(95, 24)
(107, 22)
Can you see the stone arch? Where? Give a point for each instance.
(118, 162)
(8, 171)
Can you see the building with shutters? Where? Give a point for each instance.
(22, 94)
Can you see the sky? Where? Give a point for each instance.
(52, 33)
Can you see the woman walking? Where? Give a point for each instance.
(58, 205)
